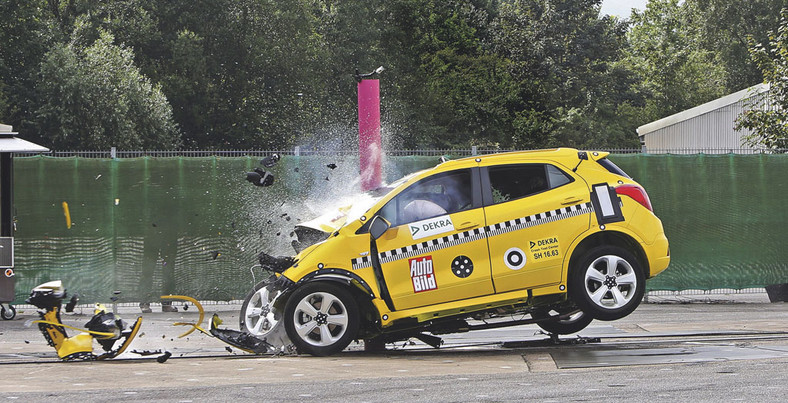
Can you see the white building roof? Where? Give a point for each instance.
(702, 109)
(11, 144)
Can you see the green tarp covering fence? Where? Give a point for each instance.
(153, 226)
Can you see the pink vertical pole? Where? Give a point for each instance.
(369, 145)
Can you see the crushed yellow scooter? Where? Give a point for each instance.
(104, 327)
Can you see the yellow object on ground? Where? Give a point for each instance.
(199, 308)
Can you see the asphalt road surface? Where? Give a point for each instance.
(702, 351)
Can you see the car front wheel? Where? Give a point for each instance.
(607, 283)
(258, 316)
(321, 318)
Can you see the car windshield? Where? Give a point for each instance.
(353, 207)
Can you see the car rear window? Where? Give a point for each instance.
(612, 168)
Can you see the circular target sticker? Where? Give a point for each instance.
(462, 266)
(9, 272)
(514, 258)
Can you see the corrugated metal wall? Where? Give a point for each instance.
(711, 133)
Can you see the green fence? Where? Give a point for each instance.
(152, 226)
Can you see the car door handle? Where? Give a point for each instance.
(572, 200)
(467, 225)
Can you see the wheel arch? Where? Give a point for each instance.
(609, 237)
(358, 287)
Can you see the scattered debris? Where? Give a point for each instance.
(229, 350)
(240, 340)
(72, 303)
(327, 178)
(260, 177)
(295, 169)
(270, 160)
(164, 357)
(216, 254)
(332, 165)
(146, 352)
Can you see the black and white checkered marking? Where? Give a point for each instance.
(474, 235)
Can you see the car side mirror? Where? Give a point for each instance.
(378, 227)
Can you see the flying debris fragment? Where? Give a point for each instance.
(72, 303)
(260, 177)
(270, 160)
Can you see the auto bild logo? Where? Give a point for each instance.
(422, 274)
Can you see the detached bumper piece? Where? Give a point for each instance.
(240, 340)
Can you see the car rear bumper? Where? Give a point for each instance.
(658, 255)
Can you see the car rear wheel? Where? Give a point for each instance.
(607, 283)
(571, 324)
(321, 318)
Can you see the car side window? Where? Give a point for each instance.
(440, 194)
(511, 182)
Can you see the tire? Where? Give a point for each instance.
(321, 318)
(8, 314)
(258, 315)
(573, 324)
(607, 283)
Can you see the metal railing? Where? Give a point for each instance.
(298, 151)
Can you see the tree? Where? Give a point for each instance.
(23, 39)
(768, 118)
(723, 27)
(570, 85)
(96, 97)
(675, 73)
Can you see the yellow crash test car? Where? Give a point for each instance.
(553, 237)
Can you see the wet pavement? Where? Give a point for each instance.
(666, 347)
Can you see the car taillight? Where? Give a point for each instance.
(637, 194)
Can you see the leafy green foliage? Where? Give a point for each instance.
(96, 96)
(767, 121)
(278, 73)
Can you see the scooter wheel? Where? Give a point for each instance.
(9, 313)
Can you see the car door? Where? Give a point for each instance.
(435, 250)
(533, 212)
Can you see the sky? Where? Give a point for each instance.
(622, 8)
